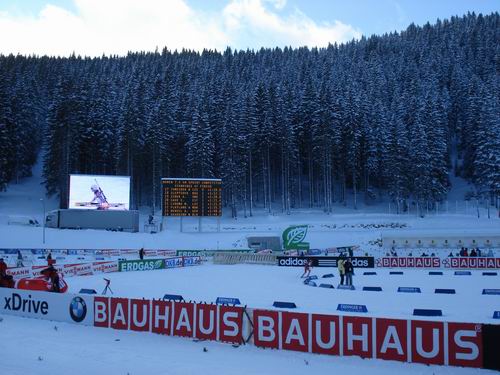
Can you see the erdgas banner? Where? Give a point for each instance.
(141, 265)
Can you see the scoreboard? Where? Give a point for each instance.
(191, 197)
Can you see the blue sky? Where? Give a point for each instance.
(94, 27)
(378, 16)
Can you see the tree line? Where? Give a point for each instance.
(384, 116)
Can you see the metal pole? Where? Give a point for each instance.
(43, 219)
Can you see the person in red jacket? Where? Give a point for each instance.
(6, 281)
(307, 268)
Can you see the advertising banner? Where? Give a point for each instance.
(441, 343)
(405, 340)
(435, 262)
(294, 236)
(187, 319)
(472, 263)
(409, 262)
(64, 307)
(140, 265)
(357, 262)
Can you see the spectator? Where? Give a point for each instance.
(450, 255)
(490, 253)
(19, 259)
(349, 271)
(340, 266)
(473, 253)
(466, 253)
(141, 253)
(478, 252)
(3, 268)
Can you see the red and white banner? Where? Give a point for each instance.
(472, 263)
(434, 262)
(66, 270)
(408, 262)
(186, 319)
(441, 343)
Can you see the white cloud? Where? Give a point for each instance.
(117, 26)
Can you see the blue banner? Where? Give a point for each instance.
(227, 301)
(352, 308)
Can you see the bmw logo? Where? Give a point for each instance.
(78, 309)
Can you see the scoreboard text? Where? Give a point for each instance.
(192, 197)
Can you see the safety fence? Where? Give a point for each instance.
(406, 340)
(230, 258)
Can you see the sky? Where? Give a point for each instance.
(115, 27)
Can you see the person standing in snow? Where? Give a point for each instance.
(349, 271)
(141, 253)
(340, 266)
(19, 259)
(3, 268)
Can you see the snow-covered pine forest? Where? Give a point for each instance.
(384, 116)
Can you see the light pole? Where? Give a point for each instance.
(43, 219)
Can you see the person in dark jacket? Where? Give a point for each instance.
(19, 259)
(141, 253)
(52, 274)
(3, 268)
(349, 271)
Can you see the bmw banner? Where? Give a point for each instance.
(60, 307)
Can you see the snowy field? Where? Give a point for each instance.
(38, 347)
(259, 286)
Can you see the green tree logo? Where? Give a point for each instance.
(293, 238)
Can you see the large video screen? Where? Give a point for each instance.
(92, 192)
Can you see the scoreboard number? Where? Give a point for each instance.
(191, 197)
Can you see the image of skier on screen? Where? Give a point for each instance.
(99, 198)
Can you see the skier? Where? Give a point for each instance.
(340, 266)
(19, 259)
(99, 198)
(349, 271)
(307, 268)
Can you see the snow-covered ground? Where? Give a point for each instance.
(259, 286)
(38, 347)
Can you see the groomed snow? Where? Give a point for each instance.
(259, 286)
